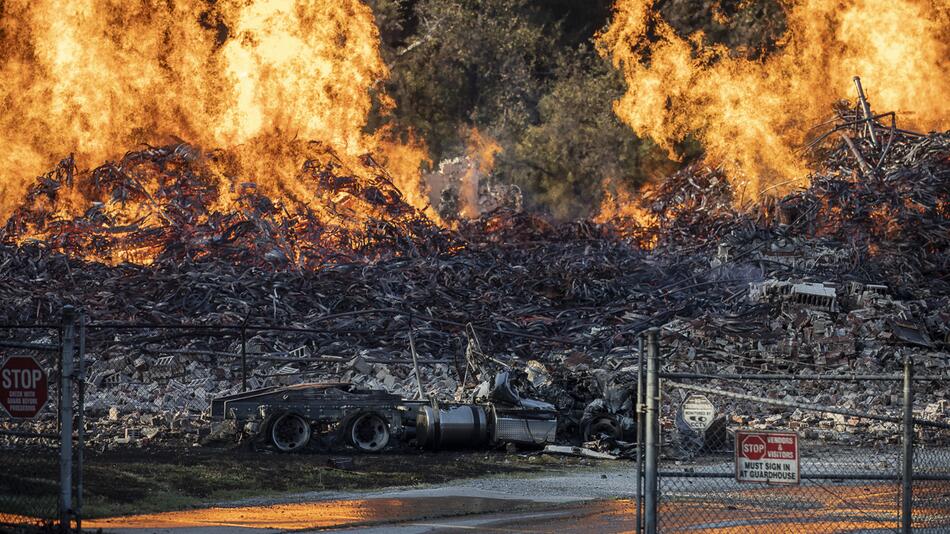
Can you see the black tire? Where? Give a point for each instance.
(369, 432)
(289, 432)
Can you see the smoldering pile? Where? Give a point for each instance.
(847, 275)
(177, 203)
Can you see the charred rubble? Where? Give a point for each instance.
(847, 275)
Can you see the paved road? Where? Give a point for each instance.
(489, 498)
(588, 501)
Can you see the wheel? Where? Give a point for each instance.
(369, 433)
(290, 432)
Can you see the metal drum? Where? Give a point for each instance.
(458, 426)
(523, 429)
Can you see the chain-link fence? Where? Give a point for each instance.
(29, 488)
(35, 462)
(931, 477)
(743, 453)
(840, 482)
(29, 448)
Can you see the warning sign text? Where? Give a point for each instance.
(770, 457)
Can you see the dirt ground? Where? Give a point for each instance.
(141, 480)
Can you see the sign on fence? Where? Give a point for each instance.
(770, 457)
(698, 412)
(23, 387)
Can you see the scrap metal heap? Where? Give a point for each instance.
(847, 275)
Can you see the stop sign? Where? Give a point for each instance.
(23, 387)
(753, 447)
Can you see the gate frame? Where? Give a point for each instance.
(69, 359)
(648, 426)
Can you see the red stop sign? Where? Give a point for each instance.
(752, 447)
(23, 387)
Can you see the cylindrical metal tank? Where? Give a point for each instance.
(528, 429)
(457, 426)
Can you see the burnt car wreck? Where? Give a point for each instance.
(334, 415)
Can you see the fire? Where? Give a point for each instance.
(753, 115)
(163, 203)
(627, 213)
(259, 78)
(481, 151)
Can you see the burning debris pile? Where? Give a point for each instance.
(848, 275)
(845, 276)
(175, 203)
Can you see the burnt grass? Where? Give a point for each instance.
(136, 481)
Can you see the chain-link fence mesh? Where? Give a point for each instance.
(849, 466)
(29, 448)
(29, 487)
(931, 484)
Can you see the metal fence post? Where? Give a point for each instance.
(244, 357)
(80, 420)
(640, 422)
(907, 474)
(66, 421)
(652, 431)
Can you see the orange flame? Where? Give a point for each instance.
(95, 77)
(481, 151)
(751, 115)
(627, 212)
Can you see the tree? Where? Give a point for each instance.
(579, 143)
(525, 73)
(469, 62)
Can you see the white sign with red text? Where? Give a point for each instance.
(770, 457)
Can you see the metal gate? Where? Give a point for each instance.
(858, 470)
(41, 457)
